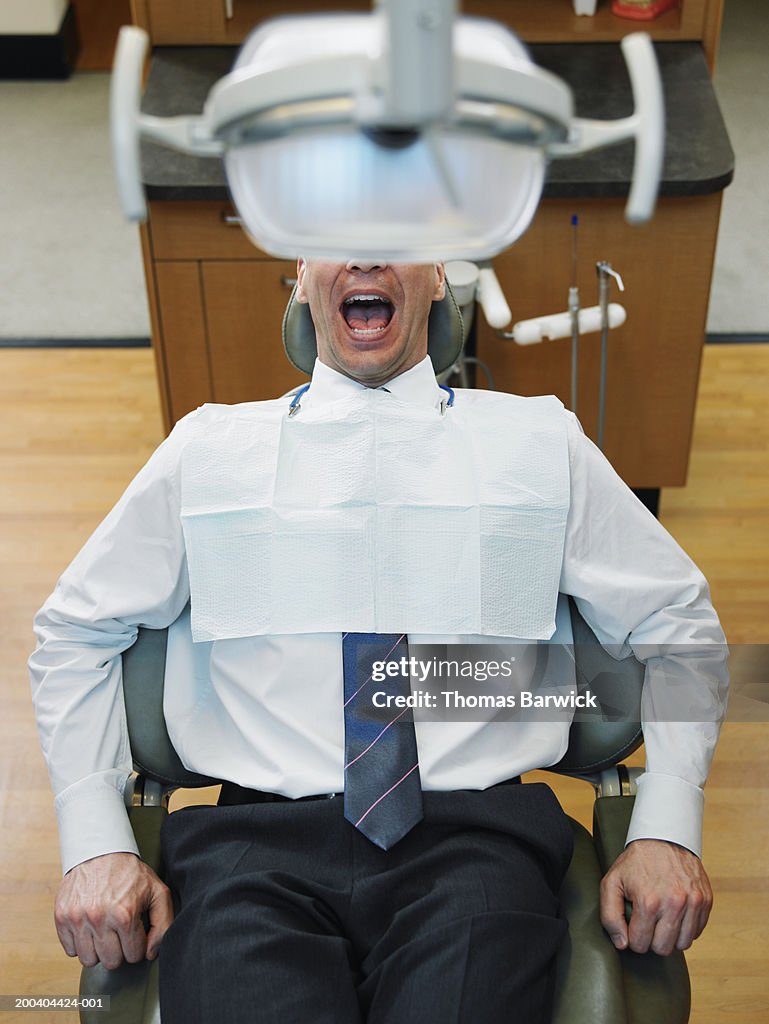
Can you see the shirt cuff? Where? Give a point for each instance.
(93, 820)
(669, 808)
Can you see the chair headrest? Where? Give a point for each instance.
(445, 333)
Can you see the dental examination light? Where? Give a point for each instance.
(407, 134)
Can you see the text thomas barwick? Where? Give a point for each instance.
(455, 699)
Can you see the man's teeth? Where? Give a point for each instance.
(373, 307)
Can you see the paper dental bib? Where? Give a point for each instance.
(373, 515)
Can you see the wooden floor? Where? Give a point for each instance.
(76, 424)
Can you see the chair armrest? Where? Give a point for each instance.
(132, 988)
(656, 987)
(146, 823)
(611, 820)
(589, 987)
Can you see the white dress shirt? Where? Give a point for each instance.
(266, 712)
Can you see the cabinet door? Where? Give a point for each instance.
(170, 23)
(653, 359)
(244, 304)
(180, 339)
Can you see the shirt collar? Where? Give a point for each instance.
(416, 386)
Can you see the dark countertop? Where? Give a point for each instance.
(698, 160)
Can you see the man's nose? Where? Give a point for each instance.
(365, 266)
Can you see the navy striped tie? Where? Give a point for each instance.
(382, 787)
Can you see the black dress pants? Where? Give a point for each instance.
(287, 914)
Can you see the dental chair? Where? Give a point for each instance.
(593, 982)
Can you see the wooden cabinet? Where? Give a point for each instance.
(217, 305)
(244, 305)
(192, 22)
(653, 359)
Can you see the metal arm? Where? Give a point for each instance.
(419, 82)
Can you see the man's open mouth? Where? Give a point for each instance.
(367, 313)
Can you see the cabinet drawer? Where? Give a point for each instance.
(199, 231)
(199, 22)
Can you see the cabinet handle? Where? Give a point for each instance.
(232, 220)
(229, 9)
(287, 282)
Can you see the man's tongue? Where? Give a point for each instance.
(368, 316)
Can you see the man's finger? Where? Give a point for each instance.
(66, 938)
(659, 923)
(133, 939)
(613, 912)
(161, 913)
(109, 949)
(707, 906)
(642, 927)
(667, 931)
(689, 927)
(695, 918)
(86, 950)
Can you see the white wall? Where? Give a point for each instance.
(31, 17)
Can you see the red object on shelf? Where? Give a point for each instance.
(642, 11)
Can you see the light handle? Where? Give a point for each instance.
(125, 100)
(649, 103)
(646, 126)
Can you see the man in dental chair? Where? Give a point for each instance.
(374, 502)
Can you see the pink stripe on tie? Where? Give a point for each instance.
(367, 681)
(371, 808)
(381, 734)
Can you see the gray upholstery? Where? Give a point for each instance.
(133, 992)
(656, 988)
(153, 753)
(594, 982)
(588, 971)
(600, 742)
(445, 334)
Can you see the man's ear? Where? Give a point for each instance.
(440, 287)
(301, 270)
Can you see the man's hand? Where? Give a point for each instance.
(670, 893)
(99, 907)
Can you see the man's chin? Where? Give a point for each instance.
(370, 364)
(369, 349)
(370, 357)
